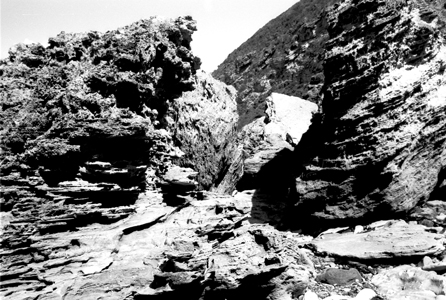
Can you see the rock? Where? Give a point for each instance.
(204, 123)
(291, 114)
(161, 250)
(91, 123)
(339, 276)
(366, 294)
(284, 59)
(268, 143)
(432, 213)
(134, 101)
(181, 178)
(383, 112)
(309, 295)
(436, 265)
(399, 239)
(407, 282)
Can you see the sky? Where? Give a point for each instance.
(223, 25)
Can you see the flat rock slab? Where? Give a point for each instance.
(397, 239)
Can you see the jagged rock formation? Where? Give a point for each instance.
(383, 134)
(90, 123)
(123, 90)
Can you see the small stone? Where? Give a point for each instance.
(365, 294)
(441, 217)
(427, 261)
(309, 295)
(339, 276)
(359, 229)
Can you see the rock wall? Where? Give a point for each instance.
(383, 134)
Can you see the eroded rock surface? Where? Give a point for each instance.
(383, 137)
(88, 124)
(407, 282)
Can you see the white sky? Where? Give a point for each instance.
(223, 25)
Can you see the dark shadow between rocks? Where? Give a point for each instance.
(439, 192)
(271, 187)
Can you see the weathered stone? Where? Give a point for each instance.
(411, 283)
(366, 294)
(398, 239)
(383, 136)
(339, 276)
(309, 295)
(436, 265)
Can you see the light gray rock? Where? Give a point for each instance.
(309, 295)
(365, 294)
(398, 239)
(409, 283)
(436, 265)
(291, 114)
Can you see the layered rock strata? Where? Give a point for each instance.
(382, 140)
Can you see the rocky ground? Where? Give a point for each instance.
(128, 173)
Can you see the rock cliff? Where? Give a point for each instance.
(382, 138)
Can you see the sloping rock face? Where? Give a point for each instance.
(285, 56)
(269, 142)
(383, 134)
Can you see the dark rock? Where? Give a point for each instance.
(383, 130)
(339, 276)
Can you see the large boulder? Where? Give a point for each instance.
(382, 141)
